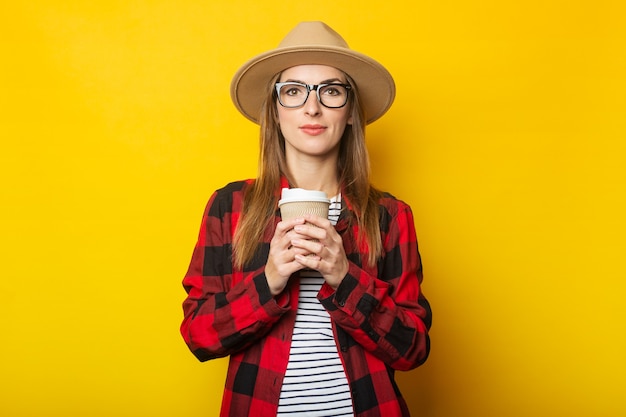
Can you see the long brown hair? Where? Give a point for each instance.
(261, 198)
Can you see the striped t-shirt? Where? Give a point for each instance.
(315, 382)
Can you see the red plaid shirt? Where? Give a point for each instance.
(380, 318)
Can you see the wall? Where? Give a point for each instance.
(507, 138)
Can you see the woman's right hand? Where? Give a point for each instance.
(281, 263)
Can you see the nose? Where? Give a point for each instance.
(312, 106)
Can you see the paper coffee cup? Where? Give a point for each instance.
(296, 202)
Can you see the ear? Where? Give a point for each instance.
(349, 122)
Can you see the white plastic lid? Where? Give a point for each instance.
(289, 195)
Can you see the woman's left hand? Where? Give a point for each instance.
(324, 243)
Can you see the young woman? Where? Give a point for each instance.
(315, 313)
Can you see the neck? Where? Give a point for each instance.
(319, 175)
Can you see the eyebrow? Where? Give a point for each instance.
(329, 81)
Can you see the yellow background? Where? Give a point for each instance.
(507, 138)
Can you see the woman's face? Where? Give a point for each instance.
(313, 129)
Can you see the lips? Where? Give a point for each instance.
(313, 130)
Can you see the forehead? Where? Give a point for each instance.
(312, 74)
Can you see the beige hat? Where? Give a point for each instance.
(313, 43)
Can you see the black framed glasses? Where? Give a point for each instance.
(292, 94)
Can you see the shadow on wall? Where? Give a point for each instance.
(417, 389)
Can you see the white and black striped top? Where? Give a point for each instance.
(315, 383)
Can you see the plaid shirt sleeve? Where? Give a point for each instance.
(225, 310)
(383, 309)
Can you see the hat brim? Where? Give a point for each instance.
(374, 83)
